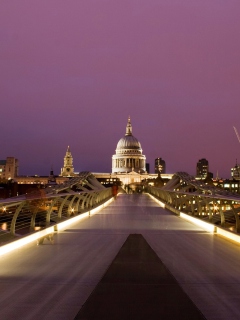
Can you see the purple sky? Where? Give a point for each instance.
(72, 71)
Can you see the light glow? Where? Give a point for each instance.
(205, 225)
(229, 235)
(64, 224)
(158, 201)
(97, 209)
(23, 241)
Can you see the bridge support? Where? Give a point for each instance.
(15, 216)
(236, 217)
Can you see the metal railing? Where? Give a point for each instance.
(40, 209)
(184, 194)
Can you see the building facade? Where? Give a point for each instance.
(159, 166)
(202, 169)
(40, 180)
(128, 157)
(9, 168)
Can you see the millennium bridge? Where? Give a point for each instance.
(169, 253)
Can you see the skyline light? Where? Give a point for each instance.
(72, 73)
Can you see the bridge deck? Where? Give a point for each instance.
(53, 281)
(138, 286)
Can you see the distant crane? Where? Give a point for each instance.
(237, 134)
(236, 169)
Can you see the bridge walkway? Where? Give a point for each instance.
(54, 281)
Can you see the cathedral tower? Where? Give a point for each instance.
(67, 170)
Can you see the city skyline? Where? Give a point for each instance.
(44, 171)
(71, 74)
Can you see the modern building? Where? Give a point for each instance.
(67, 170)
(202, 169)
(159, 165)
(128, 157)
(8, 168)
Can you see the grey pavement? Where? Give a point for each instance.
(54, 281)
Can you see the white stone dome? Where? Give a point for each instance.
(128, 142)
(128, 155)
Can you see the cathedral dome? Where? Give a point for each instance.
(128, 142)
(128, 155)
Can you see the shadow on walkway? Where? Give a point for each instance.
(137, 285)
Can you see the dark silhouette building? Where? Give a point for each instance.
(148, 167)
(160, 165)
(202, 169)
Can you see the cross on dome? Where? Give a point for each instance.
(129, 127)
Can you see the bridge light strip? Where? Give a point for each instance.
(26, 240)
(205, 225)
(105, 204)
(158, 201)
(64, 224)
(229, 235)
(43, 233)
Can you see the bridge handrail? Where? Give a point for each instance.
(202, 200)
(46, 208)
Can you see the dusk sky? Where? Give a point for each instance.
(71, 72)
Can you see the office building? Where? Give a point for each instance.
(202, 169)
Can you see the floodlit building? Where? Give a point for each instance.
(9, 168)
(40, 180)
(235, 172)
(128, 157)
